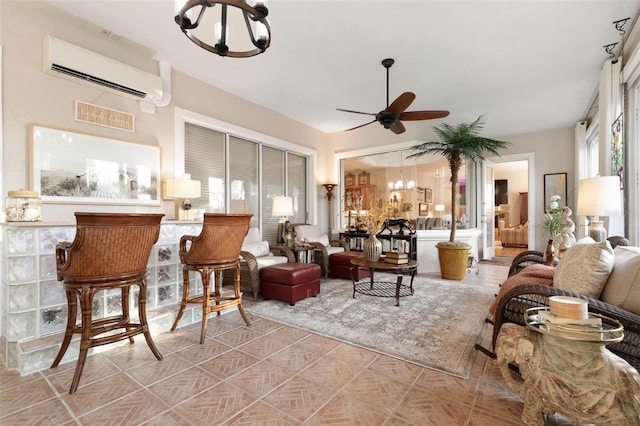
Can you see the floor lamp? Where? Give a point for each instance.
(329, 187)
(599, 196)
(282, 207)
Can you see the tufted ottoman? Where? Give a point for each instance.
(340, 264)
(290, 282)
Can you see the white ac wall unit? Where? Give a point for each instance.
(84, 66)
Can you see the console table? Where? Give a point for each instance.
(406, 243)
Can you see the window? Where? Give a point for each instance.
(242, 176)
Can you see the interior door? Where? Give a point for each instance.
(487, 218)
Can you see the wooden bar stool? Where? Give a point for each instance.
(216, 249)
(110, 250)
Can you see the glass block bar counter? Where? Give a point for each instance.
(34, 304)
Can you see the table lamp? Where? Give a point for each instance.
(283, 207)
(599, 196)
(183, 189)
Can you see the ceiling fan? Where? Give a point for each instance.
(392, 116)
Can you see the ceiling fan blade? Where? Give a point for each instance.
(362, 125)
(422, 115)
(401, 103)
(397, 127)
(355, 112)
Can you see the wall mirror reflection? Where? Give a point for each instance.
(405, 183)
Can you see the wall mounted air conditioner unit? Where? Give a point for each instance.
(84, 66)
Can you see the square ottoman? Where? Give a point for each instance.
(290, 282)
(340, 264)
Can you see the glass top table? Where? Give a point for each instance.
(384, 288)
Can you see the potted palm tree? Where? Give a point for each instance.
(457, 144)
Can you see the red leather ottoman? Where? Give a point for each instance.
(290, 282)
(340, 264)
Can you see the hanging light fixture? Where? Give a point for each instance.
(190, 14)
(402, 184)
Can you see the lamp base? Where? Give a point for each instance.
(596, 231)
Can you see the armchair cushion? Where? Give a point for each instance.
(322, 239)
(584, 269)
(623, 286)
(257, 249)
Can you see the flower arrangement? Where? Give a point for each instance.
(376, 216)
(554, 220)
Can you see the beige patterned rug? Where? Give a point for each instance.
(436, 327)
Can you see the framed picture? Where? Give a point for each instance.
(555, 184)
(420, 192)
(350, 179)
(77, 168)
(428, 195)
(423, 209)
(617, 150)
(363, 178)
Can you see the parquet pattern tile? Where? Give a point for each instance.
(229, 363)
(299, 397)
(183, 386)
(265, 374)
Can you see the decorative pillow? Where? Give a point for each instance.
(258, 250)
(623, 286)
(585, 268)
(322, 239)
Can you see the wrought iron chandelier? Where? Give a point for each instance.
(190, 14)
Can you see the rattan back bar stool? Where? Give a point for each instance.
(216, 249)
(110, 250)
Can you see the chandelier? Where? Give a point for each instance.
(190, 14)
(402, 184)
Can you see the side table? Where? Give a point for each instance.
(569, 372)
(303, 253)
(382, 288)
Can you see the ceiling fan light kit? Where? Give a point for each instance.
(188, 18)
(392, 116)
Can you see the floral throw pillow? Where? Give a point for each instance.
(585, 268)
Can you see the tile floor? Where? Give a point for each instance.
(266, 374)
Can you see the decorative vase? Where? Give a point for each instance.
(372, 248)
(549, 253)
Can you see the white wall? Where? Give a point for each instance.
(31, 96)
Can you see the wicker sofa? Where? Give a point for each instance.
(517, 236)
(619, 299)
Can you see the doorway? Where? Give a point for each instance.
(514, 219)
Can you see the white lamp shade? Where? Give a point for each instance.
(599, 196)
(439, 207)
(282, 206)
(182, 188)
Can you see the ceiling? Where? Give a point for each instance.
(525, 65)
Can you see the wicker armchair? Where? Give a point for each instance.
(256, 254)
(324, 247)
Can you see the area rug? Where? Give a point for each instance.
(436, 327)
(499, 260)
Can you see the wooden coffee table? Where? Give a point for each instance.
(381, 288)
